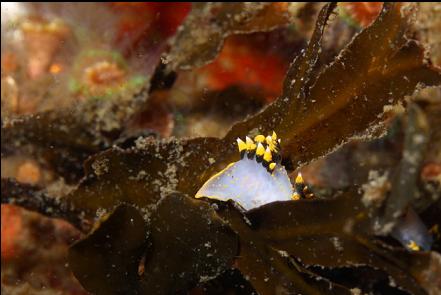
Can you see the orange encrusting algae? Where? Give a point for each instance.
(10, 228)
(240, 64)
(138, 20)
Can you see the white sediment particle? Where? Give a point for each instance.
(59, 188)
(376, 188)
(386, 228)
(247, 221)
(348, 226)
(169, 176)
(100, 166)
(100, 212)
(392, 282)
(411, 157)
(337, 243)
(283, 253)
(147, 211)
(141, 143)
(142, 175)
(203, 279)
(418, 138)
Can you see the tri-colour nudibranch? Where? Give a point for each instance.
(258, 178)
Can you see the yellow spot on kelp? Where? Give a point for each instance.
(267, 156)
(299, 178)
(272, 166)
(251, 146)
(259, 138)
(413, 246)
(241, 145)
(260, 151)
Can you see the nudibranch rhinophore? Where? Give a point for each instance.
(258, 178)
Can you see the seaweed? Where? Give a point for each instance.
(36, 199)
(158, 239)
(200, 38)
(365, 77)
(65, 138)
(337, 235)
(404, 183)
(113, 252)
(183, 243)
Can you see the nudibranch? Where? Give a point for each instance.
(412, 233)
(258, 178)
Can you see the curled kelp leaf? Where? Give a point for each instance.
(303, 66)
(334, 233)
(107, 261)
(187, 244)
(34, 198)
(200, 38)
(269, 270)
(60, 140)
(331, 233)
(365, 76)
(141, 175)
(65, 138)
(191, 245)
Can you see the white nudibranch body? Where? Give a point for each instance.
(249, 184)
(255, 180)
